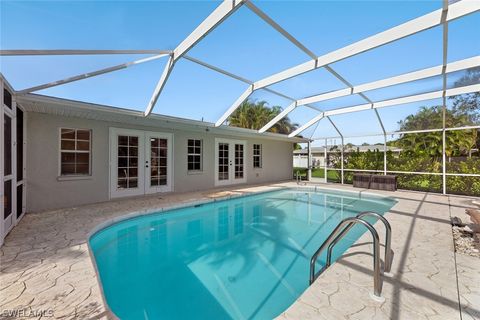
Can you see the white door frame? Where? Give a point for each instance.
(140, 189)
(231, 159)
(9, 223)
(143, 169)
(169, 186)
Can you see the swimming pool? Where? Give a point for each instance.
(242, 258)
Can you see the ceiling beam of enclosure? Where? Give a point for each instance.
(95, 73)
(389, 103)
(228, 7)
(74, 52)
(90, 74)
(425, 22)
(399, 132)
(379, 84)
(312, 55)
(222, 12)
(307, 51)
(242, 79)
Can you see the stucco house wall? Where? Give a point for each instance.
(46, 190)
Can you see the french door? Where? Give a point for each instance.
(230, 162)
(140, 162)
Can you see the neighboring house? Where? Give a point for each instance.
(300, 157)
(60, 153)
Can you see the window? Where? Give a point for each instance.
(194, 155)
(74, 152)
(257, 155)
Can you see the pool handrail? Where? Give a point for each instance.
(388, 239)
(337, 235)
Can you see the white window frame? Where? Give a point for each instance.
(195, 154)
(259, 156)
(60, 150)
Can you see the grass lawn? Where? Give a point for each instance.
(316, 173)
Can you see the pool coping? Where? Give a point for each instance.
(136, 214)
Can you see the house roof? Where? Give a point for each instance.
(72, 108)
(364, 148)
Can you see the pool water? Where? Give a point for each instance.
(243, 258)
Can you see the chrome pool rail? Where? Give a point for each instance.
(340, 231)
(388, 239)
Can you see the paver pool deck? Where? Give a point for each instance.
(45, 264)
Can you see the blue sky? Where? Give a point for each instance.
(243, 44)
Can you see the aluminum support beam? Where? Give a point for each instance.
(409, 28)
(223, 11)
(433, 19)
(342, 161)
(277, 27)
(279, 117)
(402, 132)
(384, 142)
(160, 85)
(308, 52)
(380, 84)
(403, 78)
(341, 150)
(404, 100)
(63, 52)
(307, 125)
(247, 81)
(219, 70)
(444, 98)
(325, 156)
(237, 77)
(309, 159)
(388, 103)
(90, 74)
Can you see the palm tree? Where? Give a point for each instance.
(255, 114)
(458, 142)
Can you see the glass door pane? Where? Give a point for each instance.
(7, 199)
(127, 162)
(239, 161)
(19, 145)
(7, 142)
(158, 162)
(223, 167)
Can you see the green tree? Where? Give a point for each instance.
(468, 105)
(255, 114)
(464, 110)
